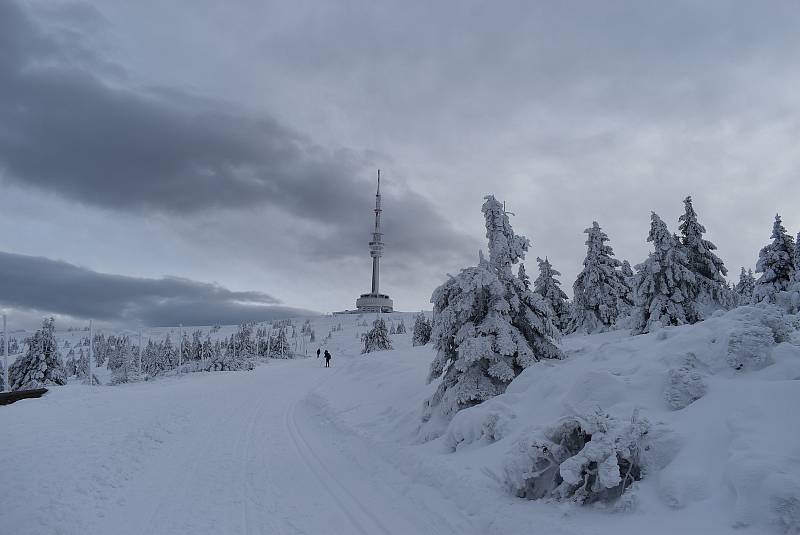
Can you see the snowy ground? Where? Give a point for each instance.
(292, 447)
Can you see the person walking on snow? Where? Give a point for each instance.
(327, 359)
(317, 352)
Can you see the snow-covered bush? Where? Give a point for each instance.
(422, 330)
(485, 423)
(488, 327)
(685, 384)
(41, 365)
(600, 292)
(229, 360)
(377, 338)
(584, 459)
(776, 264)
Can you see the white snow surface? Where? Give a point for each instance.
(292, 447)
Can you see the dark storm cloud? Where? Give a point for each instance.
(41, 284)
(67, 131)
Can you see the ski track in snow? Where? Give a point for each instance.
(221, 453)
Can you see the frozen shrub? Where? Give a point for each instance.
(774, 318)
(749, 348)
(586, 460)
(684, 385)
(478, 424)
(230, 360)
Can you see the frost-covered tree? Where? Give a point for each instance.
(797, 259)
(630, 281)
(99, 349)
(549, 287)
(665, 285)
(41, 364)
(488, 326)
(776, 264)
(744, 288)
(377, 338)
(279, 345)
(168, 354)
(401, 328)
(708, 268)
(600, 291)
(422, 330)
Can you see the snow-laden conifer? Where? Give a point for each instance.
(377, 338)
(549, 287)
(708, 268)
(797, 259)
(776, 264)
(279, 344)
(600, 291)
(422, 330)
(41, 364)
(665, 285)
(744, 288)
(488, 326)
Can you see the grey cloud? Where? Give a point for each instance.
(41, 284)
(65, 130)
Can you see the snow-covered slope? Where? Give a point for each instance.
(292, 447)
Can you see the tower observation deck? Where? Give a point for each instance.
(375, 301)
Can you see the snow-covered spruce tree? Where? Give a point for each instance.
(401, 328)
(776, 264)
(797, 259)
(600, 291)
(744, 288)
(549, 287)
(422, 330)
(377, 338)
(488, 327)
(708, 268)
(121, 360)
(279, 345)
(99, 349)
(41, 365)
(666, 287)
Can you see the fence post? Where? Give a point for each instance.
(5, 355)
(180, 348)
(91, 351)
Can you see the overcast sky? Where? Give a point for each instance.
(177, 161)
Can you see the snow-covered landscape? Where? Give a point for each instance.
(399, 268)
(686, 427)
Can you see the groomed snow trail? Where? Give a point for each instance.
(206, 453)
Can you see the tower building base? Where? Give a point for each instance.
(374, 303)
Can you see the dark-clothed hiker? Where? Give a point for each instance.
(327, 359)
(317, 352)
